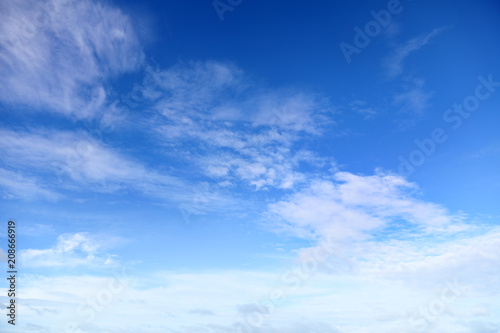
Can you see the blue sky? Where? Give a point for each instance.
(252, 166)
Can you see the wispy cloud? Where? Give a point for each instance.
(414, 100)
(209, 91)
(14, 185)
(75, 161)
(395, 62)
(191, 89)
(56, 55)
(364, 109)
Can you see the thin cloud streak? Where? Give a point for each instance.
(394, 63)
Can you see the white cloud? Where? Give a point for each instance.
(198, 94)
(76, 162)
(354, 206)
(71, 250)
(264, 167)
(471, 259)
(394, 63)
(390, 283)
(323, 302)
(192, 89)
(56, 54)
(364, 109)
(290, 111)
(235, 131)
(414, 100)
(80, 162)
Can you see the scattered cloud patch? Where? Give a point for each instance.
(247, 136)
(364, 109)
(414, 100)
